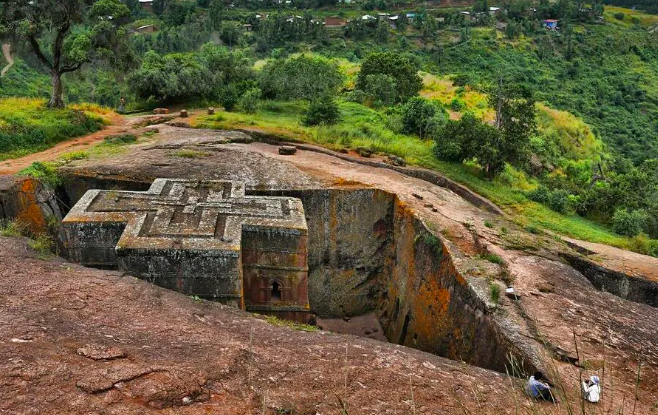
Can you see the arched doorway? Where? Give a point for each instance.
(276, 292)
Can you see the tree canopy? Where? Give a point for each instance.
(66, 34)
(400, 67)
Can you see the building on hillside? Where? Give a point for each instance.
(550, 24)
(467, 15)
(494, 11)
(368, 18)
(147, 5)
(248, 27)
(502, 26)
(149, 28)
(411, 16)
(333, 22)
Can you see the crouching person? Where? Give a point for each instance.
(538, 389)
(592, 389)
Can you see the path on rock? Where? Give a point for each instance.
(6, 52)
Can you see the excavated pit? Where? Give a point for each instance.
(371, 261)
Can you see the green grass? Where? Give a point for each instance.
(291, 324)
(45, 172)
(11, 228)
(43, 244)
(493, 258)
(363, 127)
(26, 126)
(191, 154)
(494, 292)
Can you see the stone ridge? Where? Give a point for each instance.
(202, 238)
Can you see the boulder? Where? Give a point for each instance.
(395, 161)
(364, 152)
(287, 150)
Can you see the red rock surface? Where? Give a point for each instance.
(179, 350)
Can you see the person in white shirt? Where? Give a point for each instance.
(592, 389)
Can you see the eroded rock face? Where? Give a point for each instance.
(410, 251)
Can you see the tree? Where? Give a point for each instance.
(66, 34)
(381, 90)
(417, 115)
(382, 32)
(323, 110)
(515, 119)
(399, 66)
(301, 77)
(171, 77)
(216, 13)
(230, 33)
(249, 100)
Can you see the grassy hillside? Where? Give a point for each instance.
(364, 127)
(26, 126)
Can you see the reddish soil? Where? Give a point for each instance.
(79, 341)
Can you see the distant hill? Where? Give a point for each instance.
(649, 6)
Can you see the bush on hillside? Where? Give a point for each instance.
(558, 200)
(422, 117)
(629, 222)
(323, 110)
(381, 90)
(249, 101)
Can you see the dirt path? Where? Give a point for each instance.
(6, 51)
(13, 166)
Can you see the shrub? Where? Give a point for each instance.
(417, 115)
(323, 110)
(229, 98)
(457, 105)
(249, 101)
(494, 292)
(44, 172)
(619, 16)
(629, 223)
(494, 259)
(11, 228)
(461, 79)
(558, 200)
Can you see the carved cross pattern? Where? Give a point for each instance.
(187, 214)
